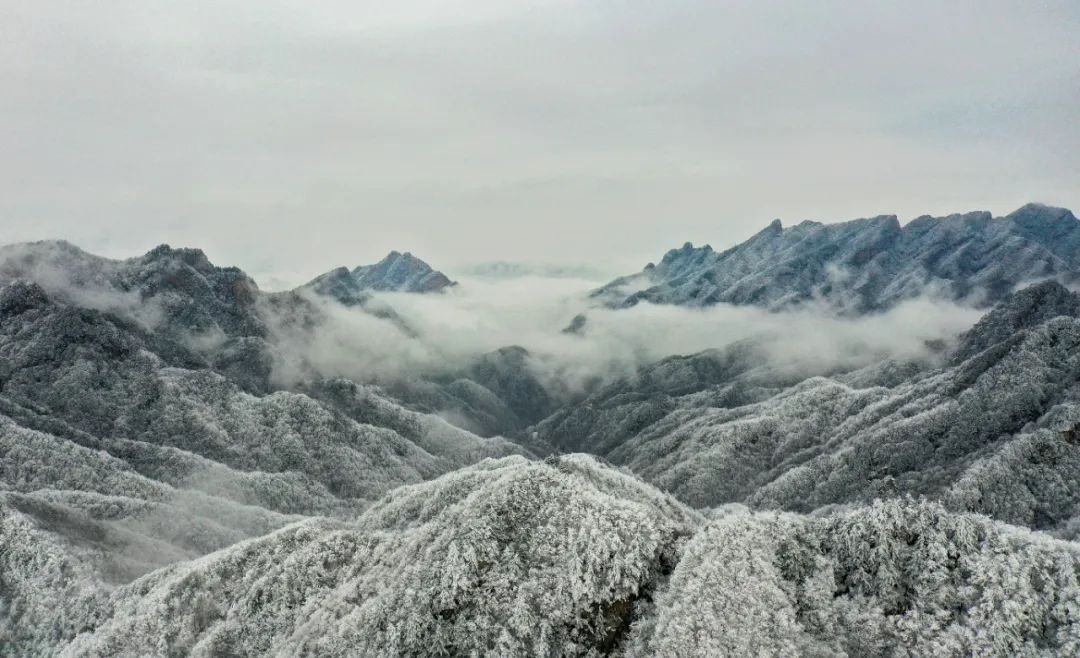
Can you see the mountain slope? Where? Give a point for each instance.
(174, 291)
(867, 264)
(738, 435)
(457, 565)
(562, 557)
(99, 413)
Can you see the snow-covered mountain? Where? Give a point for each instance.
(396, 273)
(866, 264)
(157, 408)
(990, 430)
(180, 475)
(217, 318)
(564, 557)
(173, 290)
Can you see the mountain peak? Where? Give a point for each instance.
(401, 272)
(1035, 207)
(775, 228)
(1036, 214)
(1056, 229)
(396, 272)
(194, 257)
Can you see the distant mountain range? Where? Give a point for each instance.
(866, 265)
(165, 490)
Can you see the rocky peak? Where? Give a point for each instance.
(402, 273)
(1044, 222)
(339, 284)
(397, 272)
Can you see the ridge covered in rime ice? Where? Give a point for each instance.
(719, 427)
(562, 557)
(186, 467)
(866, 264)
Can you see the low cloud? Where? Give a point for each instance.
(71, 275)
(402, 335)
(483, 314)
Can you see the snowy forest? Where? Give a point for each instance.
(844, 439)
(540, 328)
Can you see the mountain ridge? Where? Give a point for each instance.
(865, 265)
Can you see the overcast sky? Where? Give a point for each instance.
(291, 137)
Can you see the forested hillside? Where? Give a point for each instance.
(191, 466)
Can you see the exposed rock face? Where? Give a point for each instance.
(396, 273)
(867, 264)
(401, 273)
(339, 284)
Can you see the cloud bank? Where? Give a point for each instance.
(482, 314)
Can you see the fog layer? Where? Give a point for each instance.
(484, 314)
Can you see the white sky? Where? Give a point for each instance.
(292, 137)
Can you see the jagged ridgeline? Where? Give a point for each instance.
(866, 264)
(174, 480)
